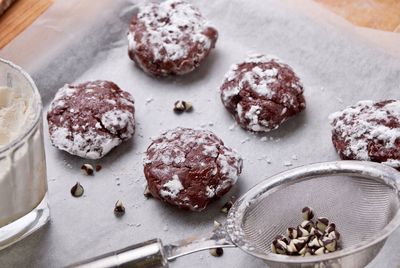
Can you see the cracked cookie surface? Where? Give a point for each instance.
(169, 38)
(91, 118)
(368, 131)
(262, 92)
(190, 168)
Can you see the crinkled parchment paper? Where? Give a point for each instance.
(75, 41)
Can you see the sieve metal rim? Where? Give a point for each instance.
(369, 170)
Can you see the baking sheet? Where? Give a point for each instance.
(76, 41)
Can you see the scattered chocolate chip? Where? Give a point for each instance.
(308, 213)
(87, 169)
(119, 208)
(217, 252)
(98, 168)
(147, 192)
(225, 208)
(77, 190)
(182, 106)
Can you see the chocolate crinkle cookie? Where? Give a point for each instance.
(262, 92)
(169, 38)
(90, 119)
(190, 168)
(368, 131)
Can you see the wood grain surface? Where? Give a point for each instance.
(377, 14)
(19, 16)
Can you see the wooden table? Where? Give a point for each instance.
(378, 14)
(19, 16)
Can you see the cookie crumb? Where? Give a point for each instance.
(245, 140)
(98, 168)
(148, 100)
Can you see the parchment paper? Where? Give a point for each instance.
(76, 41)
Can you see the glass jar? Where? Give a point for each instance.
(23, 185)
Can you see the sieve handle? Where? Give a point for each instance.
(149, 254)
(218, 239)
(152, 253)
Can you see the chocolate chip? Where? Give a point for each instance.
(281, 247)
(302, 232)
(119, 208)
(77, 190)
(331, 227)
(225, 208)
(217, 252)
(291, 232)
(329, 244)
(306, 224)
(87, 169)
(182, 106)
(308, 213)
(320, 251)
(322, 223)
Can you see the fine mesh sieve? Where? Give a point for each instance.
(361, 198)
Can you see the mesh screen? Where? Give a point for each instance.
(359, 207)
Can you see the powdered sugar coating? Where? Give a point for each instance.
(189, 168)
(169, 38)
(262, 92)
(90, 119)
(368, 131)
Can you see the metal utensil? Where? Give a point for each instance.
(362, 198)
